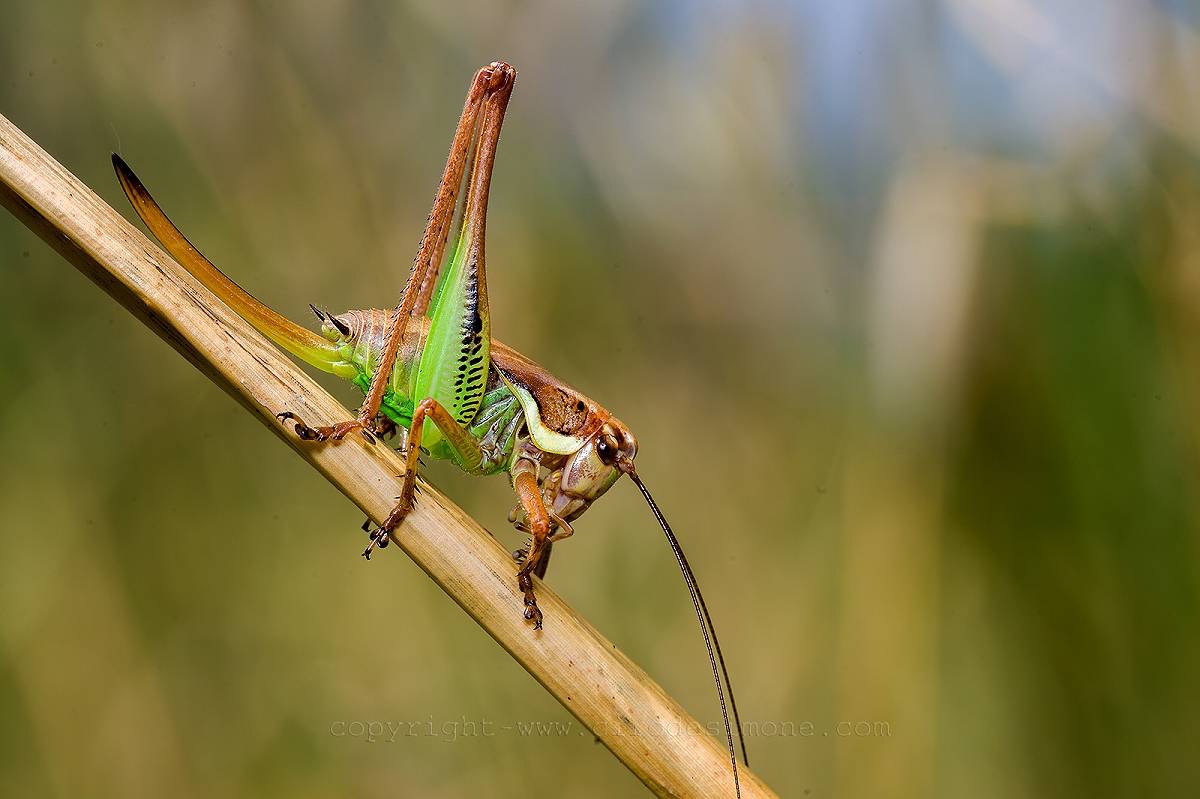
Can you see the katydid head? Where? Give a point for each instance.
(590, 470)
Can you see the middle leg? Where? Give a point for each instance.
(465, 447)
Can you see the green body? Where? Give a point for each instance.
(452, 365)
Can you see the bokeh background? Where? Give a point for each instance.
(902, 300)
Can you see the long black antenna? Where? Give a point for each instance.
(706, 626)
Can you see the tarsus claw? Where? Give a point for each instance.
(379, 540)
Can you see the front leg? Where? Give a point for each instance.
(538, 525)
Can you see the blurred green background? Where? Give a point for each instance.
(902, 300)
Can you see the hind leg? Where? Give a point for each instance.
(492, 85)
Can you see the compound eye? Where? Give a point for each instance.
(607, 449)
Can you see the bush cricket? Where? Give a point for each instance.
(431, 369)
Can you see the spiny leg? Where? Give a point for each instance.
(539, 570)
(495, 79)
(544, 528)
(560, 528)
(538, 524)
(501, 78)
(465, 446)
(452, 370)
(563, 530)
